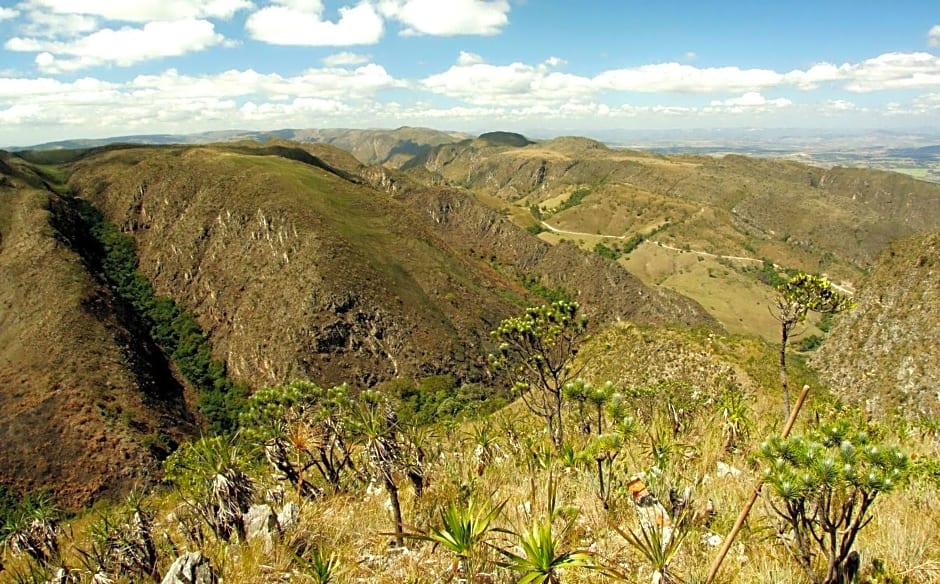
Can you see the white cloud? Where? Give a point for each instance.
(752, 99)
(678, 78)
(477, 82)
(52, 25)
(141, 10)
(123, 47)
(8, 13)
(345, 58)
(894, 71)
(690, 56)
(839, 105)
(451, 18)
(277, 112)
(465, 59)
(301, 23)
(817, 74)
(362, 82)
(172, 102)
(933, 36)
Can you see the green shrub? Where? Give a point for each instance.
(824, 485)
(535, 229)
(610, 253)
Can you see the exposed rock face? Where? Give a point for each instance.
(885, 354)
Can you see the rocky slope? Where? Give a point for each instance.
(296, 267)
(86, 404)
(884, 353)
(605, 290)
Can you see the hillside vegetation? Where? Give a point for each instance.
(885, 354)
(87, 402)
(727, 214)
(493, 501)
(183, 278)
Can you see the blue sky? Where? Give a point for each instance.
(95, 68)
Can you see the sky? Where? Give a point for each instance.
(97, 68)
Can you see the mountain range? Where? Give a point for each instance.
(365, 256)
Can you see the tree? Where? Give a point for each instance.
(377, 423)
(303, 426)
(537, 352)
(796, 298)
(824, 486)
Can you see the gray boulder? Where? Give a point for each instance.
(191, 568)
(261, 522)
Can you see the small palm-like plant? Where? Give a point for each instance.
(463, 532)
(122, 543)
(485, 446)
(32, 530)
(210, 475)
(320, 567)
(658, 544)
(542, 557)
(377, 423)
(602, 452)
(736, 421)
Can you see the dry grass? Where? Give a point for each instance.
(355, 526)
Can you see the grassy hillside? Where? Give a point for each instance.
(692, 409)
(833, 221)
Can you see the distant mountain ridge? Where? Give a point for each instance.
(370, 146)
(850, 213)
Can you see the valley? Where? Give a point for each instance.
(342, 298)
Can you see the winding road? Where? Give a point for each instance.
(843, 289)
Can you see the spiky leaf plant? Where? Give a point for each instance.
(541, 557)
(736, 418)
(320, 567)
(541, 551)
(464, 530)
(32, 530)
(823, 487)
(121, 542)
(210, 475)
(658, 545)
